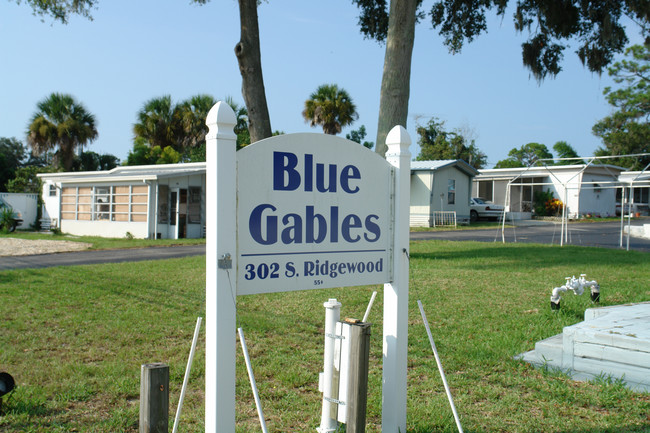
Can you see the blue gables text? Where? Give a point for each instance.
(268, 225)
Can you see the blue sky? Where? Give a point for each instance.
(136, 50)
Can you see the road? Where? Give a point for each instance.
(598, 234)
(604, 235)
(99, 256)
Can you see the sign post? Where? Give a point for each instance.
(396, 292)
(296, 212)
(220, 270)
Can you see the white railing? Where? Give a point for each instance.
(443, 218)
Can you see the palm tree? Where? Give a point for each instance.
(159, 123)
(241, 128)
(61, 122)
(192, 114)
(331, 108)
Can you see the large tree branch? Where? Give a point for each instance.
(250, 67)
(396, 79)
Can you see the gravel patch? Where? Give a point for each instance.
(27, 247)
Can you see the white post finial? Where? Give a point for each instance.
(221, 270)
(221, 121)
(396, 293)
(398, 141)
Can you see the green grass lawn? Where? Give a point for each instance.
(74, 339)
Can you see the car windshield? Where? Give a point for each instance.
(479, 201)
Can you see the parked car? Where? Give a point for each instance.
(16, 216)
(479, 208)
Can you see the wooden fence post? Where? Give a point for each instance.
(357, 397)
(154, 398)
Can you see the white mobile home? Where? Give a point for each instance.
(440, 186)
(586, 189)
(153, 201)
(637, 192)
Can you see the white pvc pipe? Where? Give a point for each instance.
(442, 373)
(372, 300)
(187, 374)
(249, 368)
(332, 315)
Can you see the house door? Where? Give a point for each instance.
(178, 213)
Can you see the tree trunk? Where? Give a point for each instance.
(250, 67)
(395, 82)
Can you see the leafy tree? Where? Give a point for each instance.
(159, 123)
(61, 9)
(247, 51)
(196, 153)
(627, 131)
(525, 156)
(594, 26)
(26, 180)
(92, 161)
(61, 123)
(358, 135)
(12, 155)
(438, 144)
(331, 108)
(192, 114)
(143, 154)
(565, 150)
(140, 154)
(162, 124)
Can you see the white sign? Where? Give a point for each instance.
(303, 211)
(313, 211)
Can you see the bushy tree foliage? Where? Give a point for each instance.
(436, 143)
(565, 150)
(92, 161)
(627, 130)
(26, 180)
(525, 156)
(593, 26)
(358, 136)
(61, 124)
(331, 108)
(12, 156)
(60, 10)
(169, 133)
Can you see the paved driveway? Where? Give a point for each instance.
(604, 235)
(100, 256)
(601, 234)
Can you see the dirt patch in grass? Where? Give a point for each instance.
(27, 247)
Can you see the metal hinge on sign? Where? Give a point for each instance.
(225, 262)
(334, 336)
(335, 401)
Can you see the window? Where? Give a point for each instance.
(102, 202)
(194, 207)
(163, 204)
(105, 203)
(52, 190)
(451, 191)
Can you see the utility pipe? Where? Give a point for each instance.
(442, 373)
(623, 198)
(372, 300)
(332, 315)
(629, 214)
(251, 377)
(187, 374)
(577, 286)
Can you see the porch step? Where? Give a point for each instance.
(612, 342)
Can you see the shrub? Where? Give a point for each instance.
(545, 204)
(7, 221)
